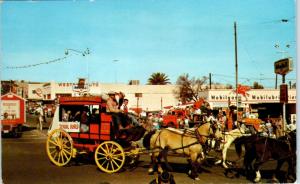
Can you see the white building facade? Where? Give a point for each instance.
(155, 97)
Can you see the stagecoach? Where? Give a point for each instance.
(66, 140)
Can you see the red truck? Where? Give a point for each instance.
(171, 120)
(13, 114)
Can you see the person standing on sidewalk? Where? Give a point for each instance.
(40, 112)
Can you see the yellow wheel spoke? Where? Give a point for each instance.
(103, 150)
(107, 165)
(101, 158)
(115, 158)
(112, 165)
(58, 159)
(112, 149)
(101, 154)
(56, 140)
(55, 155)
(62, 157)
(55, 143)
(64, 154)
(107, 148)
(52, 147)
(116, 163)
(52, 151)
(65, 151)
(102, 164)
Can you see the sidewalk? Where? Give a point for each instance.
(32, 120)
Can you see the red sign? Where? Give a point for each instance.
(283, 93)
(89, 100)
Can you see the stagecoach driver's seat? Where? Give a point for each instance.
(112, 109)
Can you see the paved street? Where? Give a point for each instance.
(25, 161)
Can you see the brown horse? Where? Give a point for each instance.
(187, 144)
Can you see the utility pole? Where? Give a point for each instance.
(276, 82)
(236, 72)
(209, 80)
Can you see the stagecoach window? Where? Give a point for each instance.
(69, 113)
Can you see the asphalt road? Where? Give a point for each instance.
(25, 160)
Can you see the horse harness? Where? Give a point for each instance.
(199, 138)
(287, 141)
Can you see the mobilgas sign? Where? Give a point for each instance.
(283, 66)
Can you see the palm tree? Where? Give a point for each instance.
(158, 79)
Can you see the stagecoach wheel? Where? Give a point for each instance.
(59, 147)
(109, 157)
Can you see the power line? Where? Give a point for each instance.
(36, 64)
(84, 53)
(247, 78)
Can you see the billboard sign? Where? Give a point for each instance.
(10, 109)
(283, 66)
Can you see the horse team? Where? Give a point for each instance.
(196, 143)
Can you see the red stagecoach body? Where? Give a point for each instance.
(66, 140)
(98, 131)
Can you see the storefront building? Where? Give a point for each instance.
(264, 102)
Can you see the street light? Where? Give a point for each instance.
(83, 53)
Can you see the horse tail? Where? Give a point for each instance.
(147, 138)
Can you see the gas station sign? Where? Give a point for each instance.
(283, 66)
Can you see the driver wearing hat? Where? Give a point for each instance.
(112, 108)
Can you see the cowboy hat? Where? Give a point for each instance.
(111, 93)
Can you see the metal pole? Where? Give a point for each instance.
(137, 106)
(236, 71)
(209, 80)
(284, 108)
(276, 82)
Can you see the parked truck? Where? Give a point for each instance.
(13, 114)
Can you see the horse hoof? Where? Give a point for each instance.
(218, 162)
(160, 170)
(150, 171)
(256, 180)
(275, 180)
(190, 172)
(225, 166)
(197, 178)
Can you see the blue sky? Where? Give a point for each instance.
(173, 37)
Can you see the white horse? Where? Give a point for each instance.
(229, 137)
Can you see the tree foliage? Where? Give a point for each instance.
(256, 85)
(188, 88)
(229, 86)
(158, 79)
(7, 86)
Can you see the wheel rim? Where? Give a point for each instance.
(59, 147)
(109, 157)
